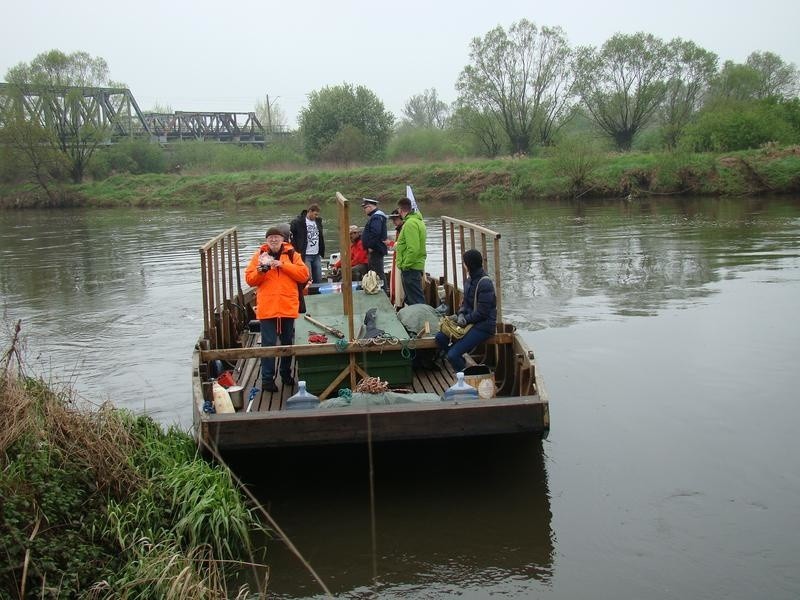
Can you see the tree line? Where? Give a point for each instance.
(524, 88)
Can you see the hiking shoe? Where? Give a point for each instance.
(269, 386)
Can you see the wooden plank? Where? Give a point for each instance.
(396, 422)
(232, 354)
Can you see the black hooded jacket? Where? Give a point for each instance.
(300, 234)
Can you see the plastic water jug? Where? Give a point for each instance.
(222, 400)
(461, 391)
(302, 399)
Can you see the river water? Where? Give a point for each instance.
(667, 334)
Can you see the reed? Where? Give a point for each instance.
(97, 500)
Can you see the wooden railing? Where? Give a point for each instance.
(459, 236)
(223, 301)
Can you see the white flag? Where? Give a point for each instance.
(410, 196)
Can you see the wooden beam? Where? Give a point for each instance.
(233, 354)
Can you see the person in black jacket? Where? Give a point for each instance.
(478, 308)
(309, 241)
(373, 238)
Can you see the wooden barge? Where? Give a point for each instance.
(520, 404)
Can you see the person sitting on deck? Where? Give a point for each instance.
(478, 308)
(358, 257)
(275, 270)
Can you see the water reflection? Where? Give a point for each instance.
(464, 515)
(113, 296)
(691, 338)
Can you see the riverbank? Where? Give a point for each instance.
(99, 500)
(570, 173)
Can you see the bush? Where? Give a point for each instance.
(82, 492)
(738, 126)
(417, 144)
(211, 157)
(576, 159)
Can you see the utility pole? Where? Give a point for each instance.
(269, 116)
(269, 113)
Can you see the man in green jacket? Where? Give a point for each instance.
(410, 252)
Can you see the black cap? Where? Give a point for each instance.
(395, 213)
(274, 231)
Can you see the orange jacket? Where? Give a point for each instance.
(277, 288)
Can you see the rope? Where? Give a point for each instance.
(407, 351)
(378, 340)
(372, 385)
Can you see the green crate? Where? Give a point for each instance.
(319, 371)
(319, 374)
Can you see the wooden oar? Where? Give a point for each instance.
(332, 330)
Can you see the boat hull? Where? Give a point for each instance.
(241, 431)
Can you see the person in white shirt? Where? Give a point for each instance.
(309, 240)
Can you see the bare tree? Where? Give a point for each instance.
(271, 116)
(524, 77)
(426, 110)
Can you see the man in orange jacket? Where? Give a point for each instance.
(275, 270)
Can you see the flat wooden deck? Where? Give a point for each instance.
(248, 374)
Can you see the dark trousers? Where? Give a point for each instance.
(472, 338)
(412, 286)
(375, 263)
(269, 337)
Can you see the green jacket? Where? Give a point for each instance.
(409, 248)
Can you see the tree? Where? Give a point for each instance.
(331, 109)
(735, 82)
(776, 78)
(271, 116)
(623, 84)
(691, 71)
(426, 110)
(484, 128)
(524, 78)
(347, 145)
(59, 80)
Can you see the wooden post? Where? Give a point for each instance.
(347, 278)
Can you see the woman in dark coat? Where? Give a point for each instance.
(478, 309)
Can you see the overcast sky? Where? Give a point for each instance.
(224, 56)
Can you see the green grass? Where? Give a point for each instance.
(771, 170)
(100, 499)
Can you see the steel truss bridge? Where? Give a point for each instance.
(114, 111)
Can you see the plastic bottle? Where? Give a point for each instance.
(302, 399)
(461, 391)
(222, 400)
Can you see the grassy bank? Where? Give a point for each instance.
(100, 503)
(566, 173)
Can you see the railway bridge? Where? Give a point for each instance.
(115, 112)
